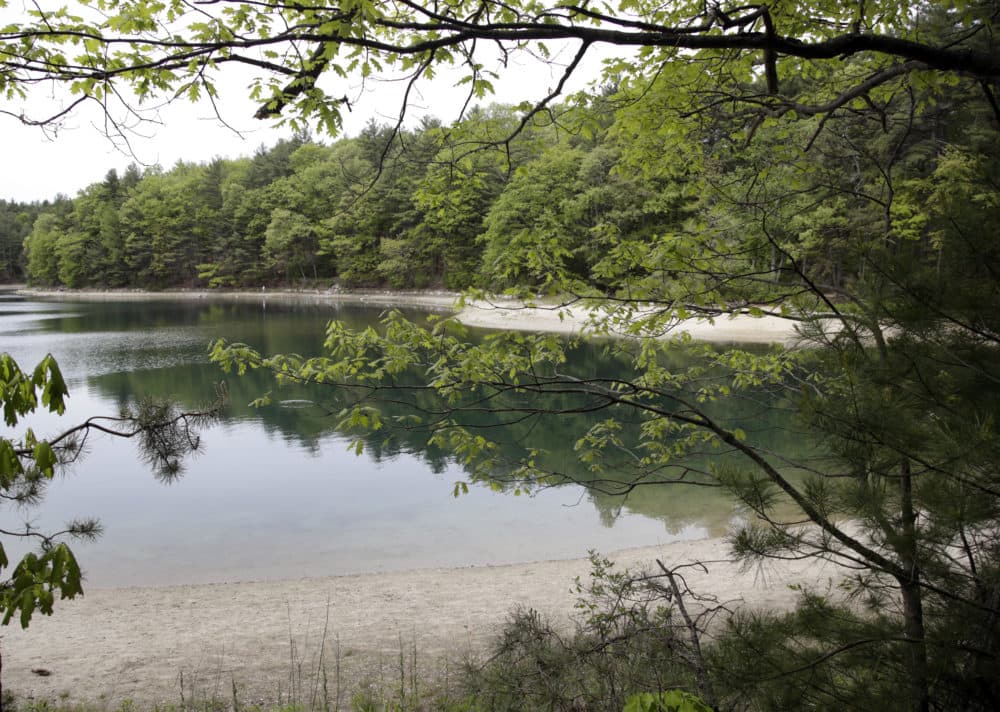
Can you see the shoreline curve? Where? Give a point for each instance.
(499, 313)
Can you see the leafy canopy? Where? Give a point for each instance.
(303, 55)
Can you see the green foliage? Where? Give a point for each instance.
(625, 640)
(27, 463)
(131, 49)
(872, 243)
(669, 701)
(16, 221)
(830, 164)
(290, 243)
(35, 581)
(40, 247)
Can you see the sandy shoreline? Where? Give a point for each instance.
(499, 314)
(138, 643)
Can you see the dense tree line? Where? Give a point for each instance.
(387, 207)
(480, 203)
(16, 222)
(434, 206)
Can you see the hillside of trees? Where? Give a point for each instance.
(480, 203)
(405, 209)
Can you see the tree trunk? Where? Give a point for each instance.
(915, 654)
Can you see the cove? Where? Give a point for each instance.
(275, 493)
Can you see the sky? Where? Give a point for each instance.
(39, 164)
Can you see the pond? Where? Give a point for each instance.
(275, 493)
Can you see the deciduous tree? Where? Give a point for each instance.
(815, 172)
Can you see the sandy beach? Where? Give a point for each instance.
(575, 319)
(496, 314)
(142, 643)
(153, 645)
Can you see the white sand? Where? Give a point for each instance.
(137, 643)
(575, 319)
(140, 643)
(499, 314)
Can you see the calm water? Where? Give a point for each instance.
(275, 493)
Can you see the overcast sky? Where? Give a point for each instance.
(41, 164)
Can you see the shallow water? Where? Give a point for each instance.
(274, 492)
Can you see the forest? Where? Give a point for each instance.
(466, 206)
(501, 198)
(431, 207)
(834, 164)
(16, 222)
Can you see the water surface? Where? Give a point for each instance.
(275, 492)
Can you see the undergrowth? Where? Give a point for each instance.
(626, 638)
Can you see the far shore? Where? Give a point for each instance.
(494, 314)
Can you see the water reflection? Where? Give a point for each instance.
(275, 492)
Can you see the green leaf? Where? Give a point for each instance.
(45, 459)
(669, 701)
(54, 390)
(10, 464)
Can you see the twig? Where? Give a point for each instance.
(704, 684)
